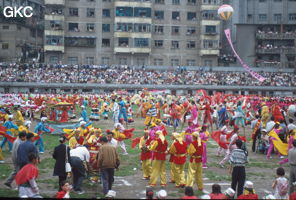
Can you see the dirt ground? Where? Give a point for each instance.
(128, 182)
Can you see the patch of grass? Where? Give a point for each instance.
(5, 170)
(46, 163)
(261, 165)
(211, 175)
(8, 193)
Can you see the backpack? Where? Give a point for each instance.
(283, 188)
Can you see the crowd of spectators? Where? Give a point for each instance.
(130, 75)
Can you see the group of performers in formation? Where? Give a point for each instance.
(271, 119)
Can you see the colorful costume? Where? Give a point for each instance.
(40, 128)
(178, 150)
(264, 115)
(195, 151)
(159, 147)
(146, 156)
(9, 125)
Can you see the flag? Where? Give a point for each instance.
(9, 137)
(135, 141)
(2, 129)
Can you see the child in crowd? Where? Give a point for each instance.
(65, 192)
(280, 185)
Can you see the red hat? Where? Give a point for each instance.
(204, 126)
(236, 127)
(121, 120)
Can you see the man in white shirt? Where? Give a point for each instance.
(77, 156)
(115, 111)
(111, 140)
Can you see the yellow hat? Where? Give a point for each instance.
(178, 137)
(158, 121)
(152, 125)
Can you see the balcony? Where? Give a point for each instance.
(275, 36)
(132, 50)
(268, 64)
(132, 34)
(133, 3)
(54, 48)
(268, 51)
(54, 32)
(204, 52)
(287, 50)
(54, 2)
(143, 20)
(54, 17)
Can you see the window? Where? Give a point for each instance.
(158, 29)
(142, 12)
(212, 2)
(5, 45)
(141, 61)
(158, 43)
(5, 27)
(90, 12)
(210, 30)
(90, 60)
(175, 62)
(146, 28)
(73, 12)
(106, 27)
(105, 42)
(124, 11)
(191, 16)
(141, 42)
(210, 44)
(54, 40)
(73, 60)
(262, 17)
(159, 1)
(277, 17)
(191, 30)
(292, 16)
(158, 61)
(123, 42)
(105, 60)
(123, 61)
(190, 62)
(175, 30)
(106, 12)
(208, 63)
(73, 27)
(159, 14)
(191, 2)
(175, 15)
(176, 2)
(53, 59)
(124, 27)
(277, 0)
(90, 27)
(175, 44)
(262, 1)
(190, 44)
(209, 14)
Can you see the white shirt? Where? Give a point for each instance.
(291, 127)
(80, 152)
(113, 142)
(115, 107)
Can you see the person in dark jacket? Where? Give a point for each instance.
(25, 149)
(59, 155)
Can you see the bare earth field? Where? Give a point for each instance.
(128, 182)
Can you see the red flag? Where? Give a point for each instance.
(242, 138)
(9, 137)
(135, 141)
(128, 133)
(216, 136)
(51, 129)
(2, 129)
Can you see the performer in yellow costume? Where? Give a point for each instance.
(195, 151)
(264, 115)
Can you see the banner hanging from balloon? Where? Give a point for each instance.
(246, 67)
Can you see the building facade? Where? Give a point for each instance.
(21, 39)
(265, 32)
(132, 32)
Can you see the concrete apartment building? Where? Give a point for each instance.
(21, 39)
(132, 32)
(265, 32)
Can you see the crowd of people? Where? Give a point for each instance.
(106, 75)
(192, 118)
